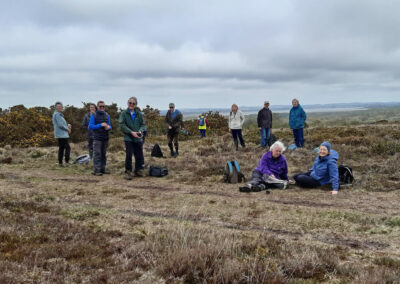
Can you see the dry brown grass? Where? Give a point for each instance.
(62, 225)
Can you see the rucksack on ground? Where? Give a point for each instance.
(345, 175)
(158, 171)
(202, 121)
(156, 151)
(82, 159)
(232, 173)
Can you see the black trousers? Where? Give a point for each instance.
(63, 146)
(237, 133)
(305, 180)
(135, 148)
(90, 147)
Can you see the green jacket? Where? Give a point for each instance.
(126, 125)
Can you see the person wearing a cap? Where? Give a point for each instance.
(297, 119)
(324, 171)
(174, 122)
(264, 121)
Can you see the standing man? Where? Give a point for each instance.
(61, 133)
(264, 121)
(297, 119)
(174, 122)
(131, 124)
(100, 123)
(89, 133)
(202, 122)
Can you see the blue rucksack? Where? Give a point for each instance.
(232, 173)
(201, 121)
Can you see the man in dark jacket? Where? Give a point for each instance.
(174, 122)
(131, 124)
(264, 121)
(89, 133)
(100, 123)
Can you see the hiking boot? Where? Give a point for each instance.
(95, 173)
(128, 176)
(176, 153)
(105, 172)
(258, 187)
(267, 192)
(246, 188)
(60, 165)
(172, 154)
(140, 173)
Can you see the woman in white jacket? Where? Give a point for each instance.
(235, 123)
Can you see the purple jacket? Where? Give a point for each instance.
(277, 167)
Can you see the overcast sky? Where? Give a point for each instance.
(204, 53)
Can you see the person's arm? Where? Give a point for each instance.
(242, 118)
(270, 116)
(304, 115)
(207, 123)
(60, 122)
(263, 165)
(333, 175)
(109, 123)
(259, 119)
(85, 122)
(93, 126)
(181, 120)
(142, 126)
(167, 120)
(122, 124)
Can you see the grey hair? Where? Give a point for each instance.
(57, 103)
(133, 98)
(278, 144)
(235, 105)
(296, 100)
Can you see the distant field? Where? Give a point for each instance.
(62, 225)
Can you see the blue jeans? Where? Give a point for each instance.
(202, 133)
(265, 135)
(298, 137)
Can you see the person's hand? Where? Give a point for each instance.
(134, 134)
(259, 128)
(69, 130)
(107, 127)
(169, 127)
(103, 124)
(230, 130)
(334, 192)
(292, 182)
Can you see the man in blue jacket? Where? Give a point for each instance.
(297, 118)
(100, 123)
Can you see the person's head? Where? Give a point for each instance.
(266, 104)
(101, 105)
(295, 102)
(234, 108)
(58, 106)
(171, 107)
(277, 148)
(132, 103)
(324, 149)
(92, 108)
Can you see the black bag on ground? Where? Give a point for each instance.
(158, 171)
(271, 140)
(345, 175)
(156, 151)
(232, 173)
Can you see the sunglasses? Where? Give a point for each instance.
(101, 106)
(132, 103)
(171, 107)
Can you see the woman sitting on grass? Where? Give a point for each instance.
(324, 171)
(272, 171)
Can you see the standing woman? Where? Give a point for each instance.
(89, 133)
(235, 124)
(61, 133)
(297, 118)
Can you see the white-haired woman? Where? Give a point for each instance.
(235, 124)
(61, 133)
(272, 171)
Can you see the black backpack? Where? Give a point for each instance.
(272, 139)
(232, 173)
(156, 151)
(158, 171)
(345, 175)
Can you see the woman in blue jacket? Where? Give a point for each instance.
(297, 118)
(324, 171)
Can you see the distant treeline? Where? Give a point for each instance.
(24, 127)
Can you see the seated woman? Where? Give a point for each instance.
(272, 171)
(324, 171)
